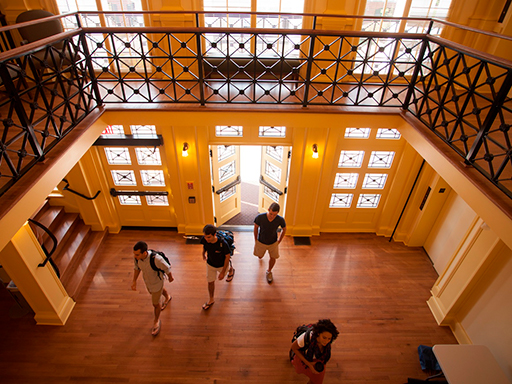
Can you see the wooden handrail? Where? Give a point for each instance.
(361, 17)
(247, 31)
(36, 21)
(472, 52)
(37, 45)
(470, 29)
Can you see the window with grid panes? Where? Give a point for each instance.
(147, 157)
(356, 159)
(382, 50)
(120, 40)
(241, 45)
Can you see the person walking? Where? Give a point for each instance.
(217, 254)
(154, 271)
(311, 350)
(266, 226)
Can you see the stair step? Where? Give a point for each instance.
(47, 216)
(85, 258)
(76, 244)
(67, 250)
(61, 228)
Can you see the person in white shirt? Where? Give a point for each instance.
(154, 279)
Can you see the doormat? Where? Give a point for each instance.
(301, 240)
(192, 239)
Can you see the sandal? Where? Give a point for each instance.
(230, 275)
(207, 306)
(156, 330)
(164, 305)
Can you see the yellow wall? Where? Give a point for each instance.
(487, 314)
(472, 294)
(452, 224)
(310, 180)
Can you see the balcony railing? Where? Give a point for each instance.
(49, 86)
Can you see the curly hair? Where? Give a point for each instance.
(325, 325)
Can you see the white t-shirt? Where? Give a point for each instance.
(153, 282)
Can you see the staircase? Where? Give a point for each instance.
(77, 244)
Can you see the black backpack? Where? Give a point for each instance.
(304, 328)
(229, 238)
(153, 264)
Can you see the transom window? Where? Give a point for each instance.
(140, 131)
(351, 159)
(272, 132)
(341, 200)
(357, 133)
(113, 131)
(346, 180)
(229, 130)
(388, 133)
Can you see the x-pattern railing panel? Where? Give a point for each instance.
(459, 95)
(47, 93)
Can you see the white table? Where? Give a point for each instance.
(469, 364)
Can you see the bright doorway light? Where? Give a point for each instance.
(250, 163)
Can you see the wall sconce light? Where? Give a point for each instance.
(315, 151)
(184, 153)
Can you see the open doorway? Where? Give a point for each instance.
(246, 180)
(250, 168)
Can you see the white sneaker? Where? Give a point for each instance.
(269, 277)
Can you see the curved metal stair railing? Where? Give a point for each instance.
(47, 253)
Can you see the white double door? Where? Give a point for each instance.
(228, 171)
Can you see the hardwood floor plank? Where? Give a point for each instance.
(373, 290)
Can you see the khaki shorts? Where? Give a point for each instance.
(155, 297)
(211, 273)
(260, 249)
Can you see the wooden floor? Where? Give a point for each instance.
(373, 290)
